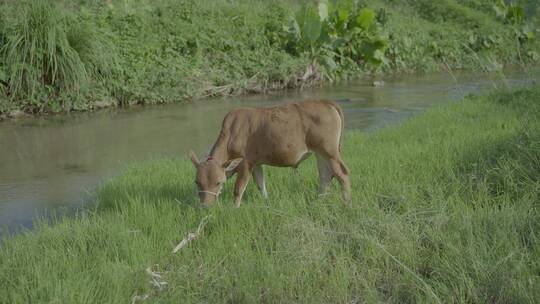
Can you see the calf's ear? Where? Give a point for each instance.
(193, 158)
(233, 164)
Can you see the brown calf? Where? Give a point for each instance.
(283, 136)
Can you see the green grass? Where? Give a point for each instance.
(61, 56)
(445, 210)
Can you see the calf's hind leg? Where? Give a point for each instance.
(333, 166)
(341, 172)
(325, 173)
(259, 178)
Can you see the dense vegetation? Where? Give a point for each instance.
(445, 210)
(58, 56)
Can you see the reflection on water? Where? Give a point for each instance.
(54, 163)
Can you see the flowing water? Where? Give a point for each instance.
(54, 164)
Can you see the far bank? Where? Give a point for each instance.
(59, 57)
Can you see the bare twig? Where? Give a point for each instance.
(191, 236)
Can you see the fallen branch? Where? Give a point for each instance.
(192, 235)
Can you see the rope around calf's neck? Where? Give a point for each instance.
(210, 192)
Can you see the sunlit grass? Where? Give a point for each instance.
(445, 209)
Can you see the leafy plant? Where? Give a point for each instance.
(524, 28)
(511, 13)
(338, 35)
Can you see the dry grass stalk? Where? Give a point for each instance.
(191, 236)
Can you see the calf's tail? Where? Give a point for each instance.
(340, 112)
(342, 121)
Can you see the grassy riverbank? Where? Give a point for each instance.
(445, 209)
(60, 56)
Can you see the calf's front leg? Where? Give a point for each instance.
(244, 173)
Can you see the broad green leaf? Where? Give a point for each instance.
(323, 9)
(373, 51)
(331, 6)
(500, 9)
(325, 38)
(344, 8)
(365, 18)
(309, 23)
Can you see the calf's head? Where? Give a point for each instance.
(210, 177)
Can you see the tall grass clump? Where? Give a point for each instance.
(39, 53)
(3, 72)
(48, 52)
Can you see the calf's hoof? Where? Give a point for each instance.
(347, 198)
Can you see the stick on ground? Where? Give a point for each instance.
(192, 235)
